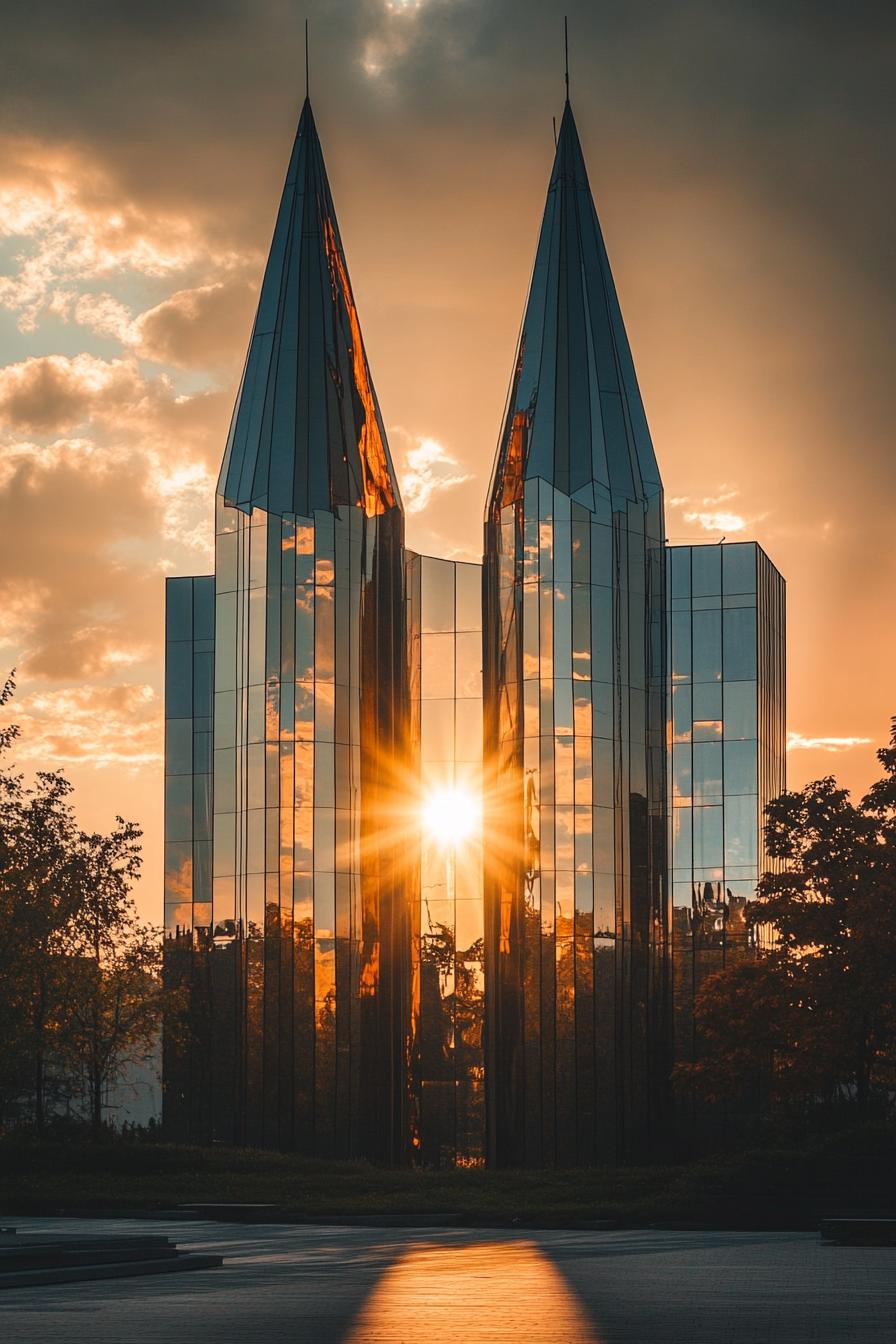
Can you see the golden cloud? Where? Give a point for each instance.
(73, 225)
(99, 726)
(425, 469)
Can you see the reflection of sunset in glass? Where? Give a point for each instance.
(451, 815)
(505, 1290)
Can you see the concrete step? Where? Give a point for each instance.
(182, 1262)
(53, 1257)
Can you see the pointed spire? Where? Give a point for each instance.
(306, 432)
(574, 414)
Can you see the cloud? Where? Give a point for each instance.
(707, 513)
(72, 225)
(58, 394)
(206, 327)
(716, 521)
(426, 470)
(92, 519)
(797, 742)
(201, 327)
(98, 726)
(53, 393)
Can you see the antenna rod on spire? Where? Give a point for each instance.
(566, 51)
(307, 84)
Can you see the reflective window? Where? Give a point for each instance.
(708, 836)
(740, 643)
(680, 572)
(436, 596)
(739, 567)
(707, 627)
(740, 709)
(707, 770)
(682, 717)
(707, 701)
(706, 570)
(740, 767)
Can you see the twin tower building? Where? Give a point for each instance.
(430, 826)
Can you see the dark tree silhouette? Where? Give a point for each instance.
(815, 1013)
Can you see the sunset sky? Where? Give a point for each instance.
(740, 156)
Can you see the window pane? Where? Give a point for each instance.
(681, 771)
(707, 837)
(680, 571)
(681, 645)
(708, 700)
(741, 830)
(682, 852)
(740, 643)
(739, 567)
(179, 680)
(437, 730)
(706, 570)
(204, 607)
(469, 596)
(178, 746)
(740, 767)
(178, 609)
(681, 713)
(469, 665)
(179, 807)
(708, 645)
(468, 730)
(740, 709)
(436, 594)
(707, 770)
(437, 666)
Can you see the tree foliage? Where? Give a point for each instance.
(813, 1018)
(80, 988)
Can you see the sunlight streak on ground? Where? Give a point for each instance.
(476, 1294)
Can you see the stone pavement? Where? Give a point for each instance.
(345, 1285)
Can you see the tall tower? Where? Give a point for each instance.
(576, 890)
(306, 955)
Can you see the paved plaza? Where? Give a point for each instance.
(323, 1285)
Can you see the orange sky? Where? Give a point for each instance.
(739, 162)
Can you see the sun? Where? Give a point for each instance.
(450, 816)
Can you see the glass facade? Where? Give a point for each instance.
(420, 813)
(727, 744)
(189, 681)
(445, 641)
(307, 940)
(575, 887)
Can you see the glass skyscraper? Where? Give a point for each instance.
(418, 815)
(576, 892)
(309, 948)
(727, 741)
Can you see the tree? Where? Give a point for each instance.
(39, 896)
(115, 969)
(80, 987)
(819, 1006)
